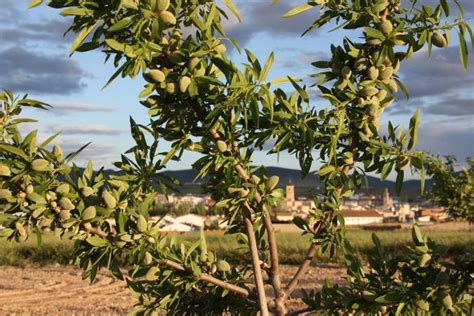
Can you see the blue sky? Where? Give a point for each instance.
(34, 59)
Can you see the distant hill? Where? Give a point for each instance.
(311, 183)
(304, 187)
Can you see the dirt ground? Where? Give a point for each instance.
(59, 290)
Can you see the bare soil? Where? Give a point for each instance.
(60, 290)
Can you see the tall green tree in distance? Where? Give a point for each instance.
(200, 101)
(452, 189)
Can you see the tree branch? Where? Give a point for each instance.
(210, 279)
(257, 271)
(280, 296)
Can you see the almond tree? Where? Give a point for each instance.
(200, 101)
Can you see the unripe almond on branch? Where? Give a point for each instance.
(223, 266)
(382, 95)
(20, 229)
(87, 191)
(29, 189)
(148, 259)
(63, 188)
(439, 40)
(220, 48)
(423, 305)
(141, 224)
(386, 27)
(171, 87)
(193, 62)
(386, 73)
(162, 5)
(221, 146)
(272, 182)
(184, 83)
(152, 274)
(64, 215)
(89, 213)
(66, 204)
(369, 91)
(168, 17)
(40, 165)
(255, 179)
(58, 152)
(392, 85)
(5, 171)
(373, 73)
(157, 75)
(109, 199)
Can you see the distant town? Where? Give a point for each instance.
(193, 212)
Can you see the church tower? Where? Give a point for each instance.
(290, 192)
(387, 200)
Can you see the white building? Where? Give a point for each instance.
(177, 227)
(355, 218)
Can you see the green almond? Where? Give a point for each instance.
(168, 17)
(157, 75)
(386, 27)
(438, 40)
(221, 146)
(184, 83)
(89, 213)
(66, 204)
(5, 171)
(152, 274)
(40, 165)
(109, 199)
(142, 224)
(63, 188)
(162, 5)
(87, 191)
(272, 182)
(223, 266)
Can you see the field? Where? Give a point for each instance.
(34, 283)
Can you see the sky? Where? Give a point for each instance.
(34, 59)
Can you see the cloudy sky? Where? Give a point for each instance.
(34, 60)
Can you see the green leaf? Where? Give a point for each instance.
(389, 298)
(120, 25)
(414, 124)
(300, 222)
(371, 32)
(34, 3)
(14, 150)
(267, 67)
(399, 181)
(463, 49)
(76, 11)
(233, 8)
(445, 6)
(82, 36)
(298, 10)
(417, 235)
(97, 241)
(301, 91)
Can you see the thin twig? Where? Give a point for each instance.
(209, 279)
